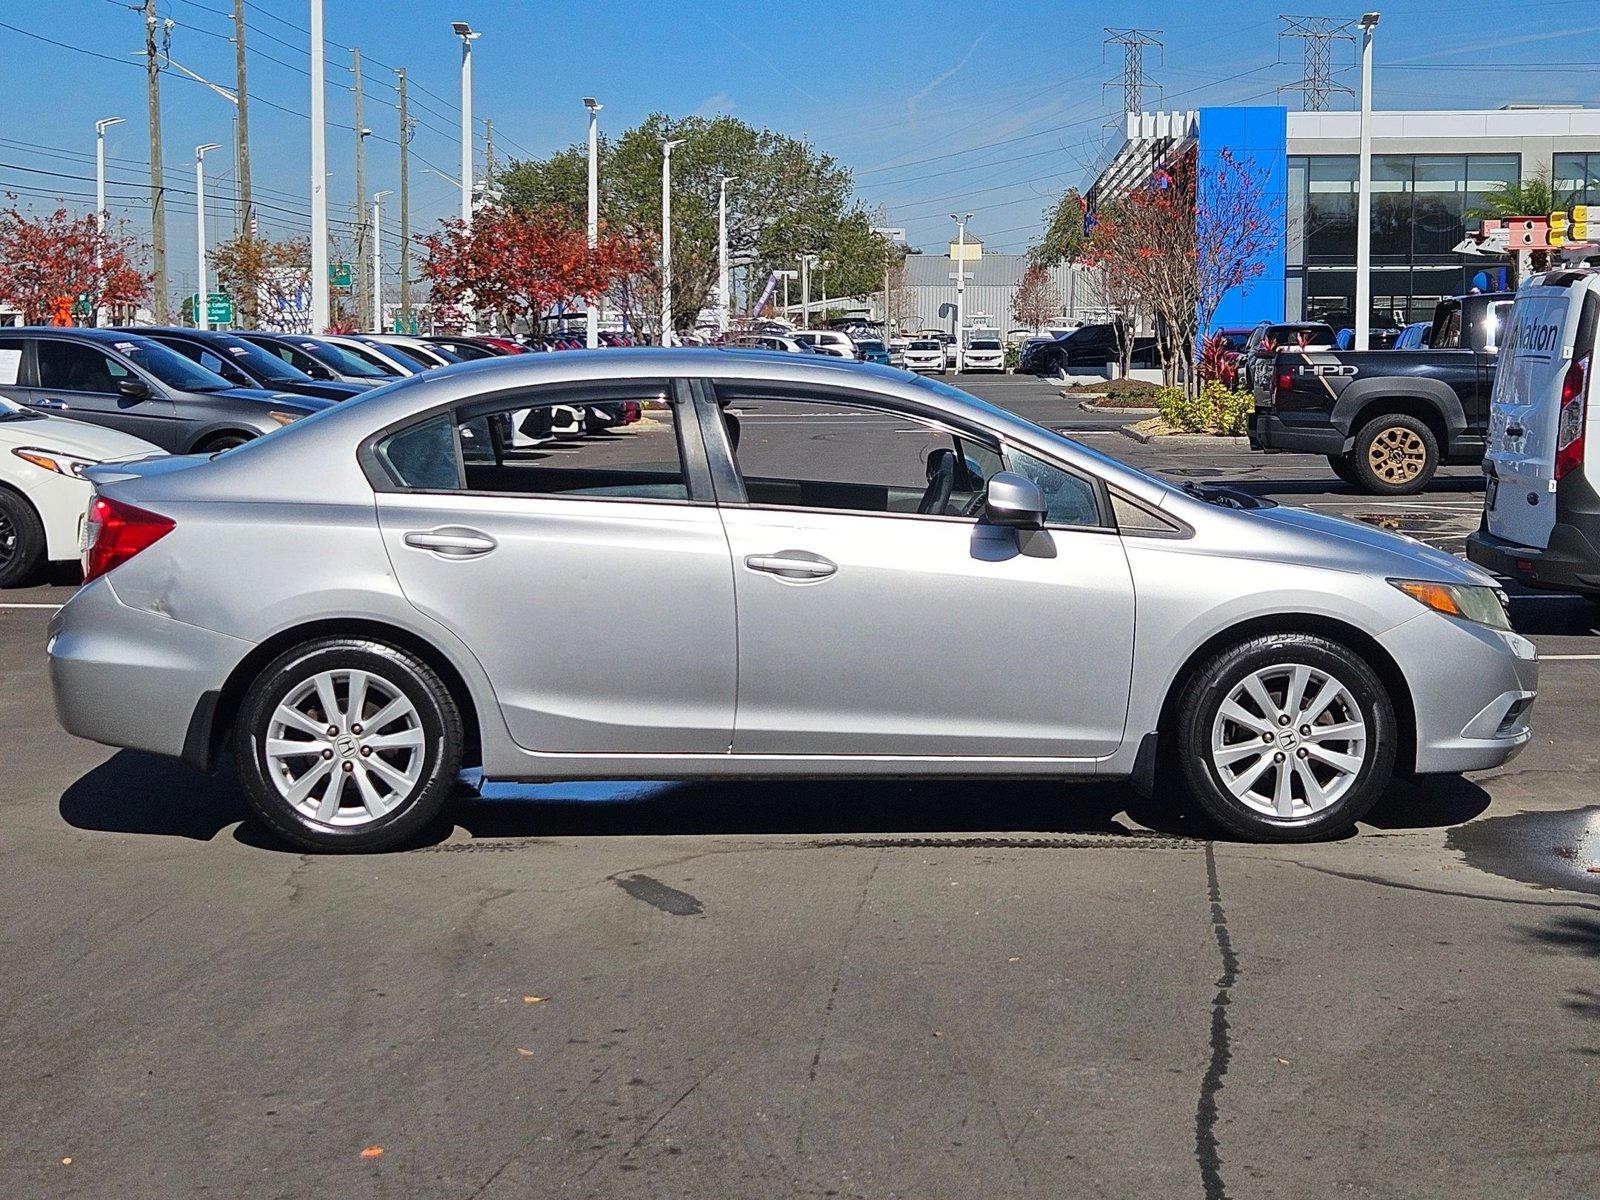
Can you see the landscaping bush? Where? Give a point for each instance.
(1137, 392)
(1217, 410)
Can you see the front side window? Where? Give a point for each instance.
(74, 367)
(573, 449)
(820, 454)
(1069, 499)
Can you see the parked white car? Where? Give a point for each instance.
(923, 354)
(385, 358)
(43, 494)
(827, 341)
(985, 354)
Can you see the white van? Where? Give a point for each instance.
(1541, 506)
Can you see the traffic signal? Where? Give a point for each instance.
(1578, 231)
(1558, 229)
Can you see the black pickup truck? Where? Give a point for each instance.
(1386, 419)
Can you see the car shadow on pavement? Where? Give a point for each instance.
(1257, 486)
(132, 792)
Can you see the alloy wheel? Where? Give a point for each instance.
(8, 541)
(1289, 741)
(345, 747)
(1397, 455)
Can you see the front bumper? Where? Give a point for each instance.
(1472, 691)
(128, 677)
(1269, 432)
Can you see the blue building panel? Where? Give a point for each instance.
(1258, 138)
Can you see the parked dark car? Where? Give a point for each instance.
(1377, 339)
(468, 349)
(1085, 348)
(244, 364)
(321, 359)
(124, 381)
(1386, 419)
(1267, 338)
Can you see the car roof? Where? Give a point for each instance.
(70, 331)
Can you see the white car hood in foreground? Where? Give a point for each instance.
(73, 437)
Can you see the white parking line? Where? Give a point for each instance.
(49, 606)
(1569, 658)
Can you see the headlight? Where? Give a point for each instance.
(283, 418)
(1476, 603)
(50, 460)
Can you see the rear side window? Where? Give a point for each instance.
(423, 457)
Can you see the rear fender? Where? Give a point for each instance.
(1435, 396)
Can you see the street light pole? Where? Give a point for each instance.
(467, 35)
(722, 253)
(592, 317)
(666, 238)
(100, 128)
(200, 232)
(321, 312)
(961, 287)
(805, 289)
(377, 260)
(1369, 22)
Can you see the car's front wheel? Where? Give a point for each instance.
(346, 744)
(22, 540)
(1286, 737)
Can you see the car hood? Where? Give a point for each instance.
(275, 399)
(75, 437)
(1394, 554)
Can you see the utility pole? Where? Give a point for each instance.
(806, 260)
(1363, 330)
(1133, 81)
(320, 309)
(362, 244)
(405, 208)
(241, 151)
(722, 253)
(158, 188)
(1316, 84)
(591, 316)
(488, 155)
(961, 288)
(667, 145)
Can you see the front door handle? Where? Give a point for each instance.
(451, 541)
(49, 404)
(792, 564)
(1515, 431)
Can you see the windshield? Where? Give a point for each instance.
(1235, 339)
(870, 345)
(262, 364)
(170, 367)
(984, 345)
(407, 357)
(347, 362)
(924, 346)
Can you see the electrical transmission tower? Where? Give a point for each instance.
(1133, 81)
(1318, 33)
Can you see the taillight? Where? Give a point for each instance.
(115, 532)
(1569, 425)
(1284, 382)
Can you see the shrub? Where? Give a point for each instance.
(1217, 410)
(1218, 362)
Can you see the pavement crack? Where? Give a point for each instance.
(1206, 1152)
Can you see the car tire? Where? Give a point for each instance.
(22, 540)
(386, 793)
(1344, 467)
(1248, 691)
(1395, 455)
(222, 441)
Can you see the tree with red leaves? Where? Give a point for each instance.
(43, 259)
(1036, 301)
(518, 265)
(1179, 244)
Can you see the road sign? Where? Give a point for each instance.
(339, 274)
(219, 307)
(81, 306)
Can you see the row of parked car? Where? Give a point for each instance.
(74, 398)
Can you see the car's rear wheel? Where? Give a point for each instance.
(1287, 737)
(22, 540)
(222, 441)
(1395, 455)
(346, 744)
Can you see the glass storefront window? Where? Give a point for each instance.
(1295, 245)
(1391, 206)
(1330, 227)
(1576, 179)
(1439, 185)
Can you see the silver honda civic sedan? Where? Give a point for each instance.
(779, 566)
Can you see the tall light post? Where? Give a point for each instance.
(807, 261)
(321, 308)
(100, 128)
(467, 35)
(786, 276)
(667, 146)
(961, 286)
(890, 236)
(377, 261)
(200, 232)
(1368, 22)
(722, 252)
(592, 317)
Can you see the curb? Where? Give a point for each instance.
(1138, 435)
(1226, 442)
(1117, 408)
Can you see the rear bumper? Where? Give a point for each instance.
(1472, 689)
(126, 677)
(1269, 432)
(1569, 563)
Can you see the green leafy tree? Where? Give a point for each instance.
(1063, 239)
(786, 199)
(1531, 197)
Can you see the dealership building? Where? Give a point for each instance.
(1429, 169)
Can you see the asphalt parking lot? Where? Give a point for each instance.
(752, 989)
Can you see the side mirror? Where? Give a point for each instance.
(317, 371)
(131, 387)
(1013, 501)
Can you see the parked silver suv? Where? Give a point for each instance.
(802, 567)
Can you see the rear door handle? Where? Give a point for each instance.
(792, 564)
(1515, 431)
(451, 541)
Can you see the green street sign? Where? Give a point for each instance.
(81, 306)
(339, 274)
(219, 307)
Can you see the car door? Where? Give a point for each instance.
(590, 577)
(78, 379)
(877, 617)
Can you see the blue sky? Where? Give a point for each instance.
(937, 106)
